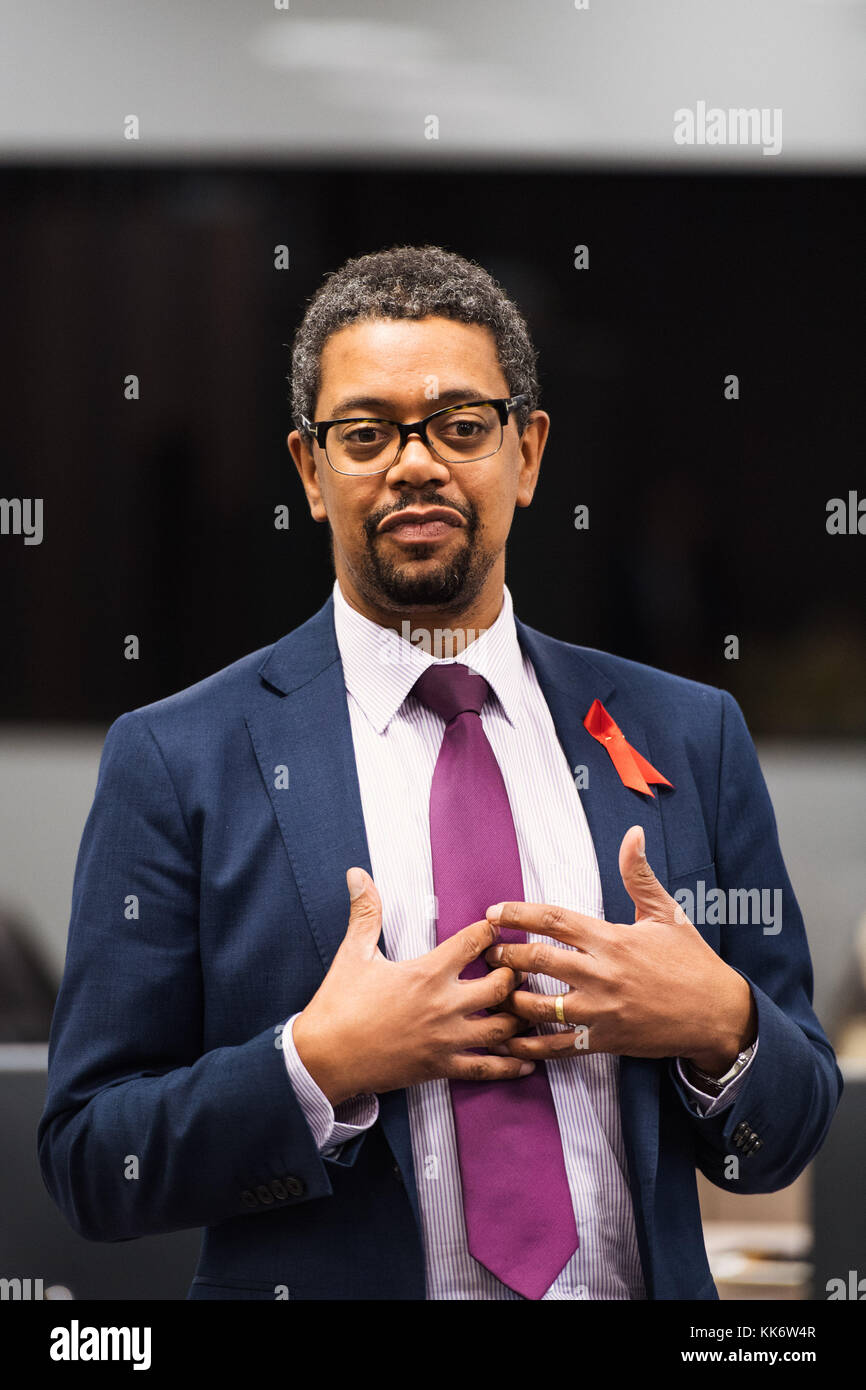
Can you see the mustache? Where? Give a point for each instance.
(374, 520)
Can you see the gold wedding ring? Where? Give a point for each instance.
(559, 1008)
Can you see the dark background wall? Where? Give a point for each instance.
(707, 516)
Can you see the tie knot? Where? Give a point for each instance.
(450, 689)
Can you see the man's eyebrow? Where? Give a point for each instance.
(382, 404)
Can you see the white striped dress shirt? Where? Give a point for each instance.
(396, 742)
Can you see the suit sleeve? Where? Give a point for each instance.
(786, 1102)
(143, 1131)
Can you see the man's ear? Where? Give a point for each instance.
(302, 453)
(532, 443)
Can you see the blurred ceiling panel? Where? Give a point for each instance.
(572, 81)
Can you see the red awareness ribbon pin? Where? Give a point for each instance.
(632, 767)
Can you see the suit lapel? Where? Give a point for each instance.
(300, 721)
(307, 731)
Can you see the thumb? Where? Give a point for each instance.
(649, 897)
(365, 910)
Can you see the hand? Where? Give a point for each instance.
(376, 1024)
(654, 989)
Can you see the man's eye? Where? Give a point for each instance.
(464, 429)
(364, 436)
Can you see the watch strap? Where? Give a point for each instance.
(719, 1082)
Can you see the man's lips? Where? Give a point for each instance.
(421, 524)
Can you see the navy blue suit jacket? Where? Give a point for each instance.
(209, 902)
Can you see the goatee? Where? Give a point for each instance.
(401, 584)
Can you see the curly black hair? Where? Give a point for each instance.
(411, 282)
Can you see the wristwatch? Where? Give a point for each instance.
(720, 1082)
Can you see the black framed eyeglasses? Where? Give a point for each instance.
(457, 434)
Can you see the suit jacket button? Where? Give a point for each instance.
(249, 1199)
(396, 1171)
(264, 1194)
(295, 1186)
(279, 1190)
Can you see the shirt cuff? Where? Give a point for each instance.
(331, 1127)
(709, 1105)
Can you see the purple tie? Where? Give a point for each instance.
(516, 1198)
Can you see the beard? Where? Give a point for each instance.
(451, 584)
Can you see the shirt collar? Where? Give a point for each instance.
(380, 666)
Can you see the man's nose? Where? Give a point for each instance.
(416, 465)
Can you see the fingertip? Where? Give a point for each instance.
(638, 840)
(355, 882)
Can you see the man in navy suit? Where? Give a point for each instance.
(240, 1046)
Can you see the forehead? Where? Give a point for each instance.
(391, 358)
